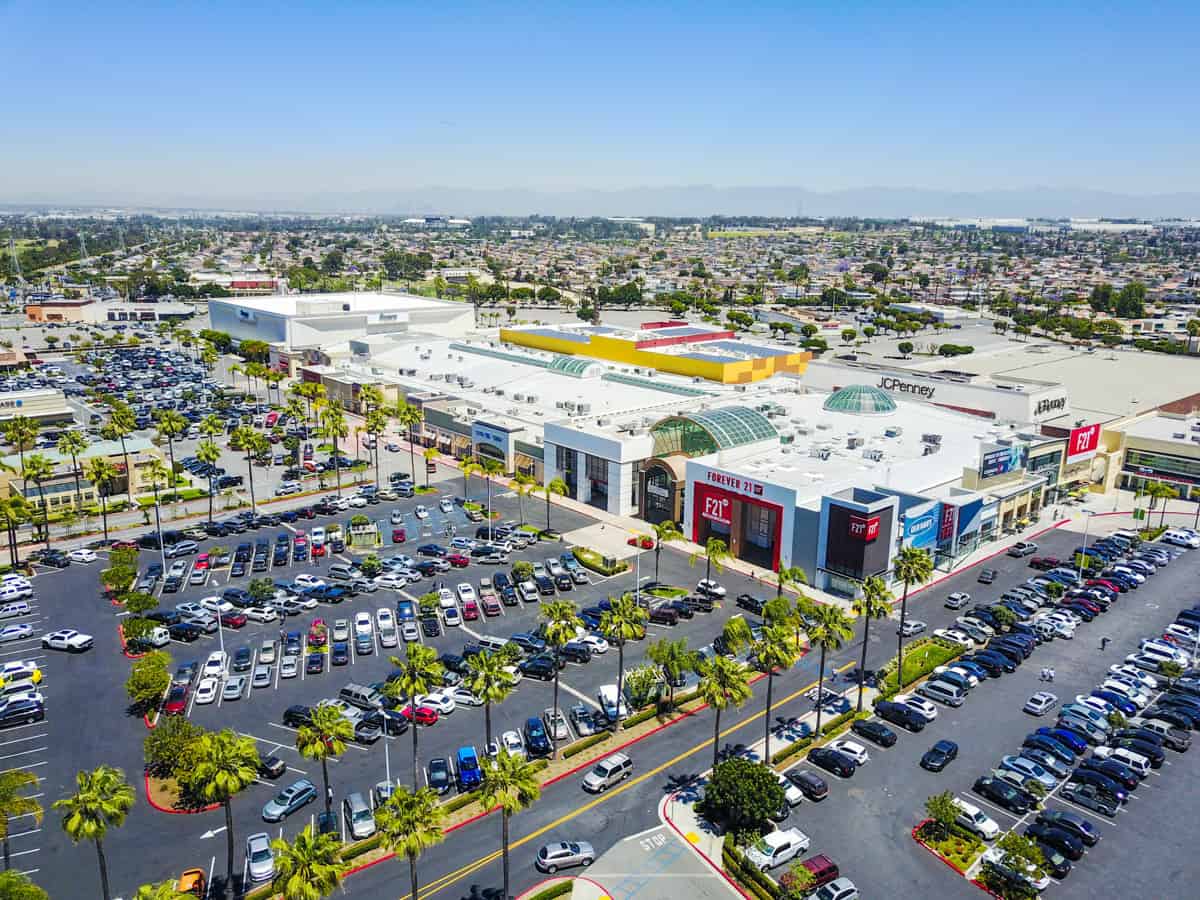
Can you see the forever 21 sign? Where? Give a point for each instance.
(717, 508)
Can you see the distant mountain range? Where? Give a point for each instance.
(689, 200)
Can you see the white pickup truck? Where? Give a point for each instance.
(777, 848)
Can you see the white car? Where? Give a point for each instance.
(421, 512)
(358, 501)
(260, 614)
(206, 690)
(1040, 703)
(442, 700)
(20, 670)
(14, 609)
(385, 619)
(216, 665)
(452, 617)
(289, 667)
(1123, 689)
(955, 636)
(13, 580)
(958, 600)
(446, 505)
(464, 697)
(445, 598)
(216, 606)
(974, 819)
(791, 793)
(317, 536)
(511, 741)
(595, 643)
(409, 631)
(81, 555)
(392, 580)
(710, 588)
(465, 592)
(911, 627)
(513, 673)
(304, 581)
(852, 749)
(397, 517)
(1097, 703)
(17, 633)
(920, 704)
(1165, 649)
(362, 624)
(341, 630)
(1146, 680)
(971, 679)
(64, 639)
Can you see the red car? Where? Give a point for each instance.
(176, 700)
(124, 545)
(306, 512)
(1044, 563)
(426, 715)
(318, 633)
(458, 560)
(301, 538)
(1105, 583)
(491, 606)
(233, 619)
(318, 550)
(470, 611)
(399, 536)
(200, 563)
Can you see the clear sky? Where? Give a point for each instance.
(173, 96)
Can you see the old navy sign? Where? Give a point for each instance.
(924, 391)
(863, 528)
(1082, 442)
(733, 483)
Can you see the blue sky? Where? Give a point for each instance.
(361, 96)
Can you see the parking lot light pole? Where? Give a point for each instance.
(162, 551)
(387, 760)
(1087, 519)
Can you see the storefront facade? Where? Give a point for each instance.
(755, 520)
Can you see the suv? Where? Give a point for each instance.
(1023, 548)
(607, 773)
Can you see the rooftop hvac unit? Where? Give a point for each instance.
(853, 443)
(537, 439)
(819, 452)
(935, 439)
(500, 392)
(931, 449)
(823, 426)
(531, 398)
(435, 376)
(741, 388)
(1178, 435)
(472, 411)
(568, 405)
(893, 432)
(584, 408)
(873, 454)
(520, 398)
(603, 422)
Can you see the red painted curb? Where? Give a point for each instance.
(704, 856)
(917, 828)
(121, 638)
(557, 878)
(173, 812)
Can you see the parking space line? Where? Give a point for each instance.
(23, 753)
(570, 690)
(28, 766)
(35, 737)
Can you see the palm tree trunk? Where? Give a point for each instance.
(900, 640)
(716, 735)
(820, 693)
(487, 721)
(767, 729)
(547, 508)
(7, 861)
(337, 466)
(128, 471)
(412, 875)
(504, 848)
(45, 515)
(75, 472)
(377, 465)
(325, 776)
(553, 739)
(657, 554)
(412, 705)
(104, 892)
(210, 496)
(171, 452)
(250, 481)
(620, 679)
(228, 849)
(412, 456)
(103, 498)
(862, 666)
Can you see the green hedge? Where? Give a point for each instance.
(585, 743)
(353, 851)
(828, 729)
(555, 890)
(645, 715)
(914, 669)
(590, 559)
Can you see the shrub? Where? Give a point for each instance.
(590, 559)
(585, 743)
(741, 795)
(555, 890)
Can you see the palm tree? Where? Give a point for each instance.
(724, 682)
(308, 868)
(673, 658)
(237, 369)
(509, 782)
(620, 623)
(562, 621)
(15, 510)
(488, 681)
(716, 551)
(831, 629)
(875, 603)
(553, 487)
(224, 764)
(490, 468)
(211, 426)
(310, 392)
(121, 424)
(171, 426)
(14, 803)
(102, 799)
(101, 473)
(419, 672)
(411, 823)
(71, 444)
(209, 453)
(163, 890)
(775, 650)
(21, 432)
(409, 417)
(334, 427)
(789, 576)
(375, 425)
(37, 468)
(430, 455)
(912, 566)
(663, 532)
(522, 486)
(469, 466)
(251, 443)
(325, 736)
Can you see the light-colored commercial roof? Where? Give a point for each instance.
(357, 302)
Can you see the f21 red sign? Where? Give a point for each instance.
(863, 528)
(1082, 442)
(717, 508)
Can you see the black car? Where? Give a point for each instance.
(576, 652)
(1146, 749)
(1004, 795)
(295, 716)
(21, 712)
(940, 755)
(184, 631)
(832, 761)
(1055, 864)
(682, 609)
(237, 570)
(811, 784)
(749, 603)
(994, 662)
(56, 559)
(339, 653)
(438, 774)
(540, 666)
(314, 664)
(454, 663)
(1056, 748)
(900, 714)
(663, 615)
(431, 626)
(1071, 822)
(367, 731)
(1114, 769)
(172, 584)
(987, 576)
(1098, 780)
(874, 731)
(545, 586)
(166, 617)
(271, 767)
(1063, 841)
(537, 742)
(242, 659)
(563, 582)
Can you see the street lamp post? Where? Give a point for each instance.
(1087, 519)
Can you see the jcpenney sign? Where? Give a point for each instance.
(924, 391)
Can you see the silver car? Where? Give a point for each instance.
(234, 688)
(563, 855)
(260, 858)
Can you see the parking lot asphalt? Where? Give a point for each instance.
(883, 800)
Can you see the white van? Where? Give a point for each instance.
(1135, 761)
(942, 692)
(607, 695)
(1181, 538)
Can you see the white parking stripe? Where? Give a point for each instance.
(23, 753)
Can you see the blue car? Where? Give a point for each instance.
(1070, 739)
(469, 774)
(1127, 707)
(1053, 746)
(431, 550)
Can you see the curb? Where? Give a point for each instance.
(174, 812)
(557, 879)
(665, 817)
(983, 887)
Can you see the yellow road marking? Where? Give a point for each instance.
(439, 884)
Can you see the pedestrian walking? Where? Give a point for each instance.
(1050, 674)
(1042, 675)
(1104, 642)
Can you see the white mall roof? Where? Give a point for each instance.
(358, 302)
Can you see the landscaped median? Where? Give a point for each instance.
(601, 565)
(921, 657)
(955, 846)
